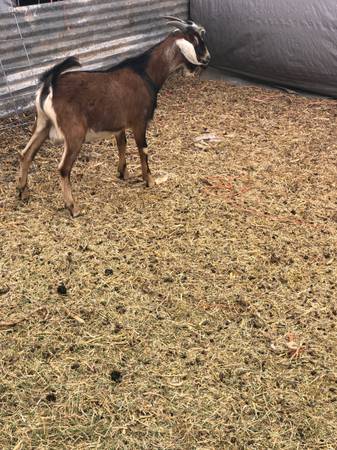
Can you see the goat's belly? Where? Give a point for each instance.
(57, 137)
(98, 135)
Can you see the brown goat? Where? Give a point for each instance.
(79, 106)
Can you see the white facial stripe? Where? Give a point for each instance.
(188, 50)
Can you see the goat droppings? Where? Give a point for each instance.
(51, 397)
(116, 376)
(121, 309)
(75, 366)
(61, 289)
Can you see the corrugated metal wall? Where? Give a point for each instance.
(100, 32)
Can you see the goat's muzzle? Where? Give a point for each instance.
(206, 60)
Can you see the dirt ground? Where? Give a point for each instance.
(199, 314)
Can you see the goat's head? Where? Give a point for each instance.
(190, 40)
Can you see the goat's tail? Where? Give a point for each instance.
(48, 78)
(51, 75)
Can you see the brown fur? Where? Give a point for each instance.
(129, 101)
(112, 100)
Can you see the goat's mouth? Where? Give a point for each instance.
(193, 69)
(205, 61)
(189, 70)
(196, 72)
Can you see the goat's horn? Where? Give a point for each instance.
(181, 26)
(175, 19)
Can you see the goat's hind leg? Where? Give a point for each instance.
(121, 144)
(40, 133)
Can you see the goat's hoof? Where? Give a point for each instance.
(123, 176)
(23, 193)
(150, 182)
(126, 174)
(73, 210)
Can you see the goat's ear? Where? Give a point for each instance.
(188, 50)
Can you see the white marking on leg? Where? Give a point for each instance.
(63, 157)
(37, 100)
(41, 120)
(55, 133)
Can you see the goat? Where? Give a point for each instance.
(73, 107)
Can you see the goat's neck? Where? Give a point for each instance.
(161, 63)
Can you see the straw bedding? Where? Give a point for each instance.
(199, 314)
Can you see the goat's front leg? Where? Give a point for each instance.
(140, 138)
(71, 150)
(121, 144)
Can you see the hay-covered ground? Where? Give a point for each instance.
(200, 314)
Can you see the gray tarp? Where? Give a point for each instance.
(286, 42)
